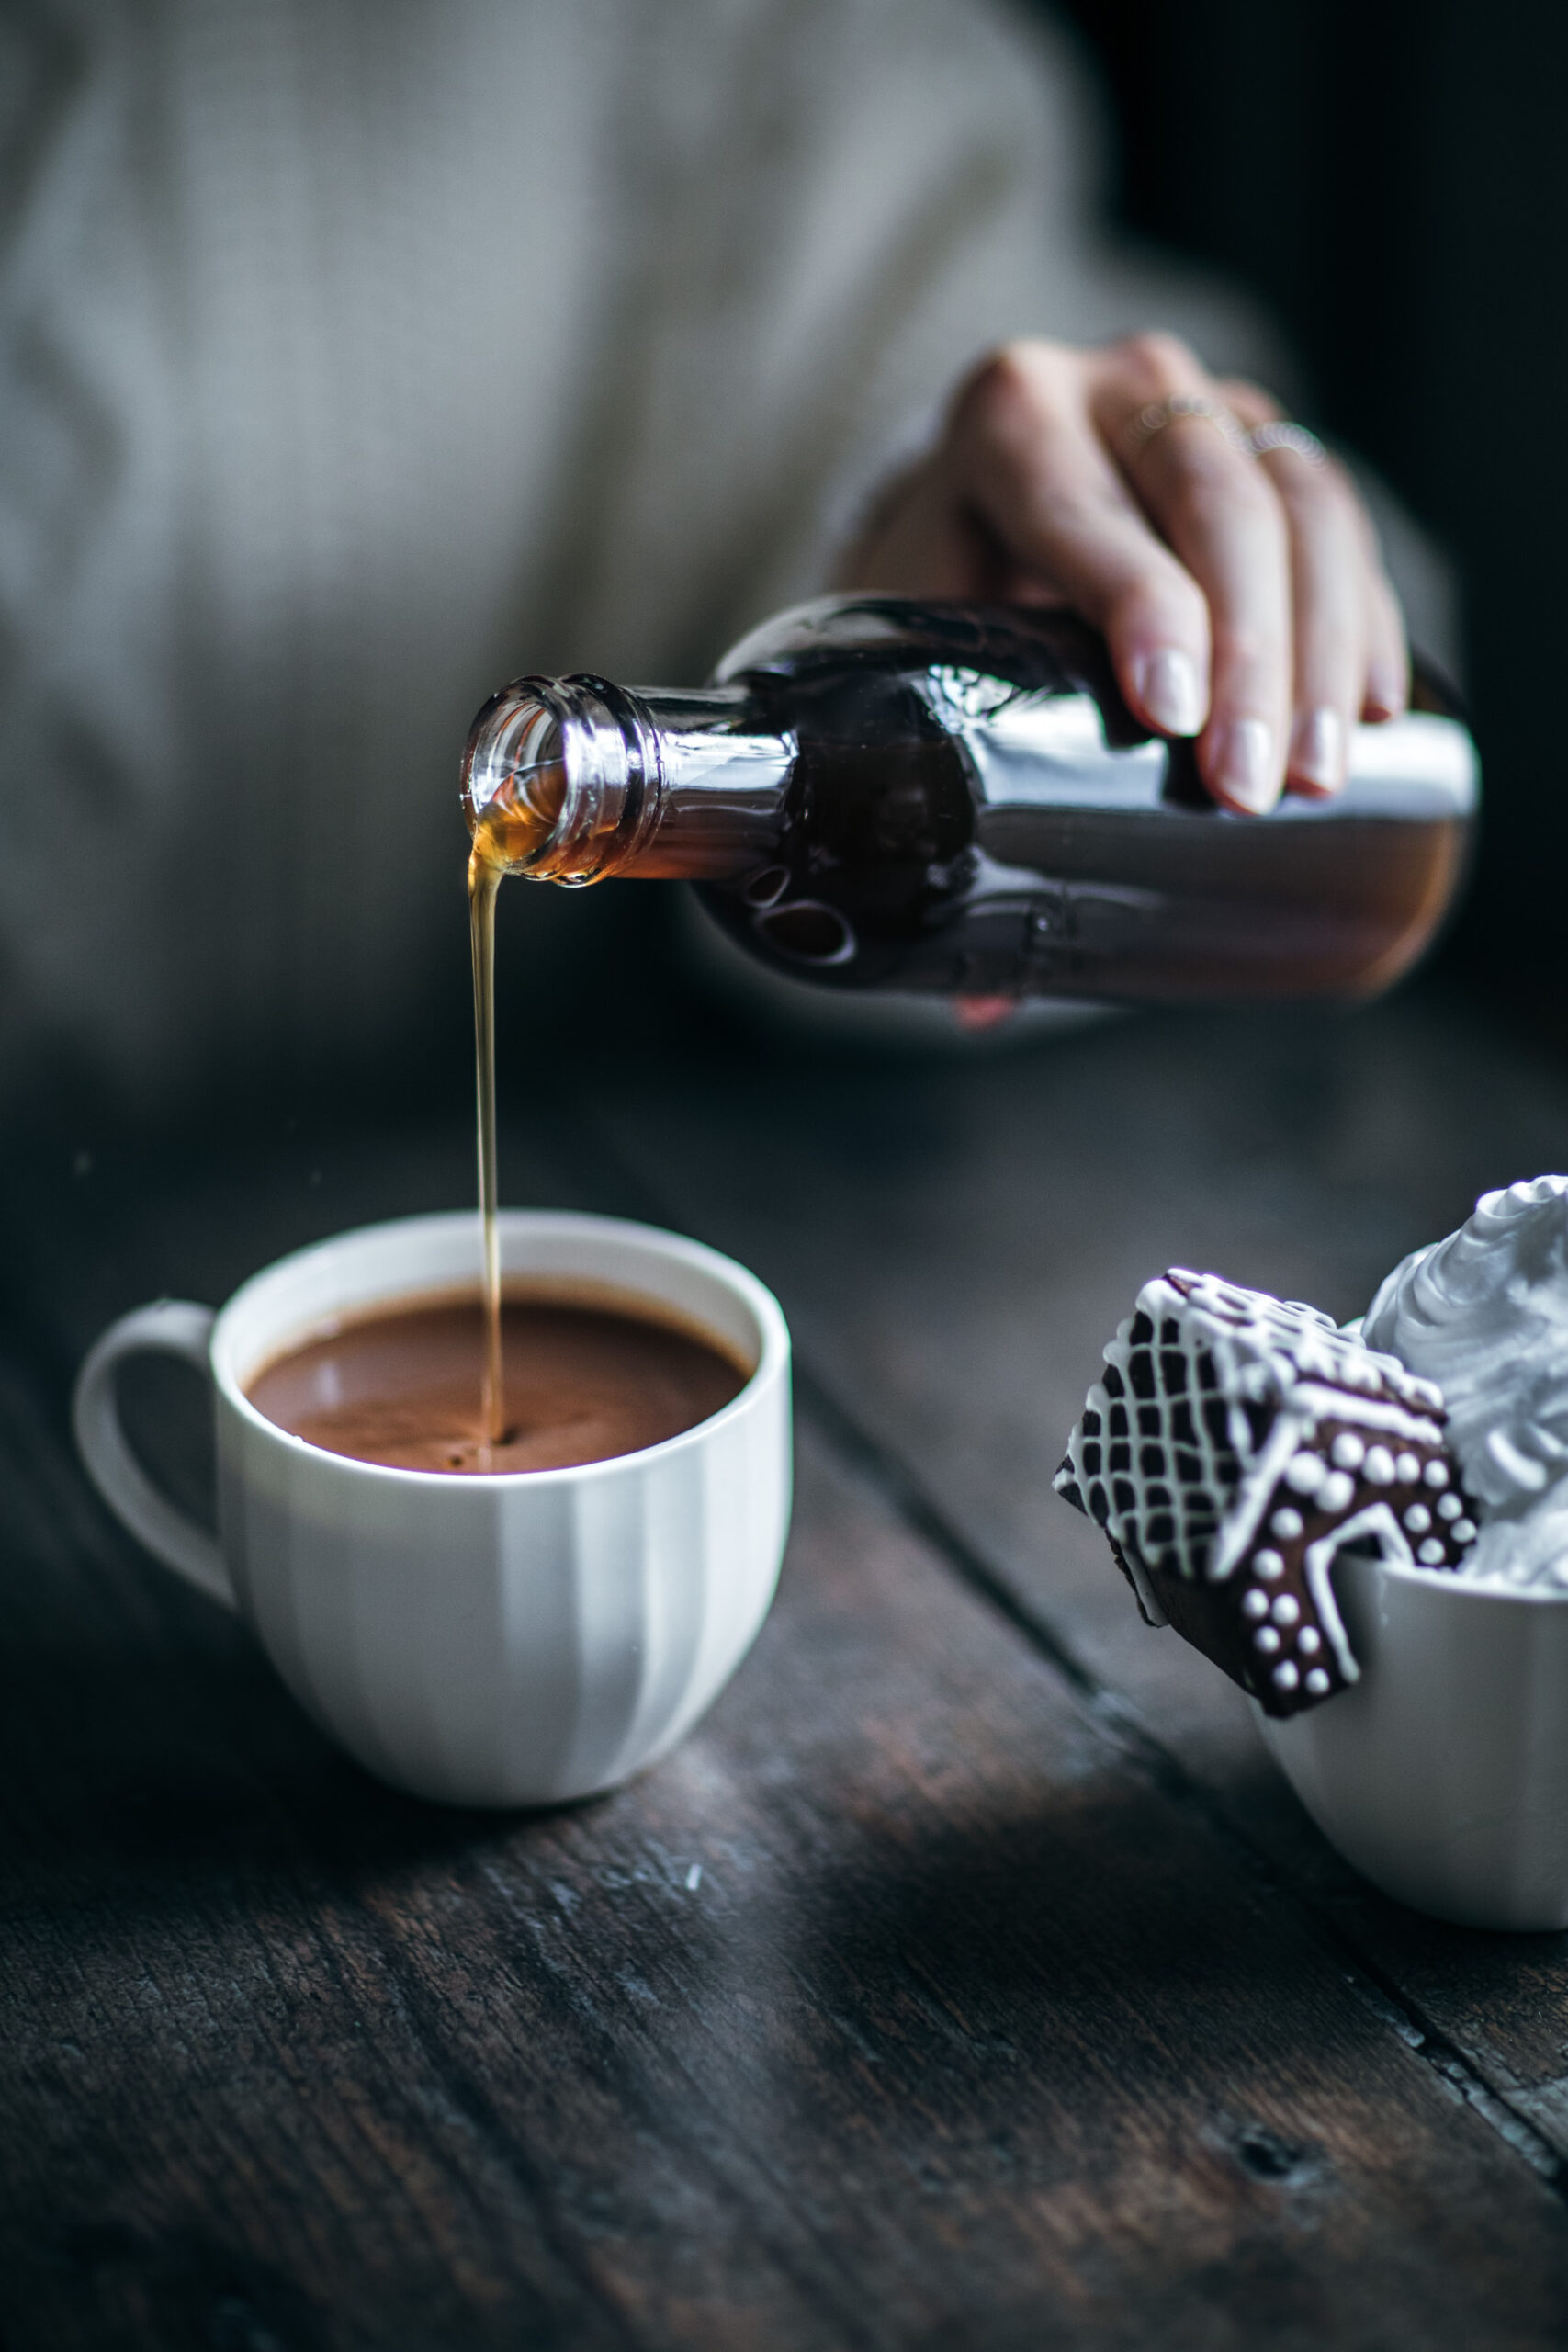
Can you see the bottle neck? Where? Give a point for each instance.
(573, 779)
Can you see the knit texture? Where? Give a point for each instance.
(355, 357)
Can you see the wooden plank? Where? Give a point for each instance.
(954, 1242)
(902, 2008)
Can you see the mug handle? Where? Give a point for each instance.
(176, 1327)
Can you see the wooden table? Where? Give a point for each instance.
(968, 1979)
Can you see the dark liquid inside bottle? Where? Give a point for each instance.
(885, 794)
(945, 837)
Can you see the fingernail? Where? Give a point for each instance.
(1317, 748)
(1388, 690)
(1244, 766)
(1165, 684)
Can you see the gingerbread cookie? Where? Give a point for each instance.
(1237, 1443)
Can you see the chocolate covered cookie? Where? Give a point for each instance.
(1235, 1446)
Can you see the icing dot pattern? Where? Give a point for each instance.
(1233, 1444)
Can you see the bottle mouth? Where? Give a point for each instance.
(553, 779)
(514, 783)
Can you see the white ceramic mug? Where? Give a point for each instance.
(515, 1639)
(1442, 1774)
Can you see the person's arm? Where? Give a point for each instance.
(1243, 595)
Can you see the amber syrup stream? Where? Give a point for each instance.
(484, 881)
(507, 832)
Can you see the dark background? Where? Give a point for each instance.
(1393, 180)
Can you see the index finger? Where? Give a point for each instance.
(1214, 505)
(1026, 455)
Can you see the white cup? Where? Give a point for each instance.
(515, 1639)
(1442, 1774)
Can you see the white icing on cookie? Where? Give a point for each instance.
(1236, 1443)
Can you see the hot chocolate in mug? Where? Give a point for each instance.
(511, 1639)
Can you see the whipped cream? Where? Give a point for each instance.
(1484, 1314)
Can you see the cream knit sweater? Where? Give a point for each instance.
(356, 355)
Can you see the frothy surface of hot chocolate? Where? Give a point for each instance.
(583, 1382)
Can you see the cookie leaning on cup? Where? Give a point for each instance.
(1235, 1445)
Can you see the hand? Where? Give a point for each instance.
(1243, 598)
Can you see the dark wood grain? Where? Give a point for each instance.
(901, 2007)
(954, 1242)
(969, 1980)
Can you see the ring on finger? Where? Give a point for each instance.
(1177, 408)
(1279, 433)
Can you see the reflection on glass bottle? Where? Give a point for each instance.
(881, 793)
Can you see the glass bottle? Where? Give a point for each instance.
(876, 792)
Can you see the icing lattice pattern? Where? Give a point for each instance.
(1234, 1445)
